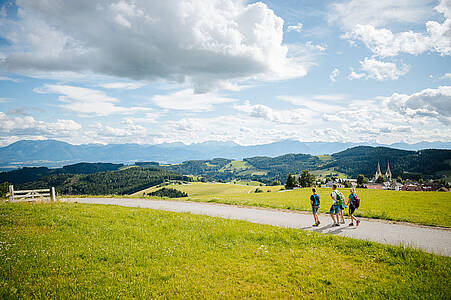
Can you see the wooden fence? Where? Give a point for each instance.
(32, 195)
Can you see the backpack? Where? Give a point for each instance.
(340, 197)
(356, 201)
(316, 201)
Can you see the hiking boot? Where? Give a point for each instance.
(315, 225)
(336, 224)
(351, 224)
(318, 222)
(342, 222)
(358, 222)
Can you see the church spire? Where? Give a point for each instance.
(378, 172)
(388, 173)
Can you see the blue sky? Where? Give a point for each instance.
(245, 71)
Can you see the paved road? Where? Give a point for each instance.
(429, 239)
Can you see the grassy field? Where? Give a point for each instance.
(63, 250)
(427, 208)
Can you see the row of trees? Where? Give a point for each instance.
(306, 179)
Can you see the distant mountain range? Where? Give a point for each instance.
(51, 153)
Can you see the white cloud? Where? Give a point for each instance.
(379, 70)
(130, 129)
(432, 103)
(297, 116)
(317, 103)
(378, 13)
(297, 27)
(446, 76)
(354, 75)
(6, 78)
(242, 129)
(334, 74)
(122, 85)
(29, 126)
(201, 42)
(86, 101)
(190, 101)
(383, 42)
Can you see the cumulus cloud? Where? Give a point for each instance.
(383, 42)
(433, 103)
(86, 101)
(378, 13)
(243, 129)
(264, 112)
(202, 42)
(130, 129)
(188, 100)
(379, 70)
(334, 74)
(29, 126)
(297, 27)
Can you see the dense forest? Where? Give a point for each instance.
(31, 174)
(363, 160)
(119, 182)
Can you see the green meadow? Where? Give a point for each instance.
(427, 208)
(64, 250)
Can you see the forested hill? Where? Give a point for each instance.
(428, 163)
(30, 174)
(119, 182)
(358, 160)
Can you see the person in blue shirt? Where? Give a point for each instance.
(314, 201)
(352, 207)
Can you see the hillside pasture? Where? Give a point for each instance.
(427, 208)
(80, 251)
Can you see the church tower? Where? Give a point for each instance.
(378, 172)
(388, 173)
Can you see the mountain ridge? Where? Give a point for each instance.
(53, 153)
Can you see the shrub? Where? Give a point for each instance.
(168, 192)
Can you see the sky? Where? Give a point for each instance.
(251, 72)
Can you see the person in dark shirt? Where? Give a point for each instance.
(314, 201)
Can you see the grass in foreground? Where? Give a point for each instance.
(66, 250)
(427, 208)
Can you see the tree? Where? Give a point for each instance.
(4, 189)
(347, 184)
(361, 180)
(399, 179)
(290, 182)
(380, 179)
(306, 179)
(276, 182)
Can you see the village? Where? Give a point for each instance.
(385, 181)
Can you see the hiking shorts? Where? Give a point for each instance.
(351, 209)
(342, 206)
(334, 209)
(315, 209)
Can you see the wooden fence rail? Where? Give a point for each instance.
(31, 195)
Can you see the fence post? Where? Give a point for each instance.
(11, 193)
(53, 194)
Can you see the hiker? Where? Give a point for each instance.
(353, 203)
(334, 209)
(314, 202)
(341, 203)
